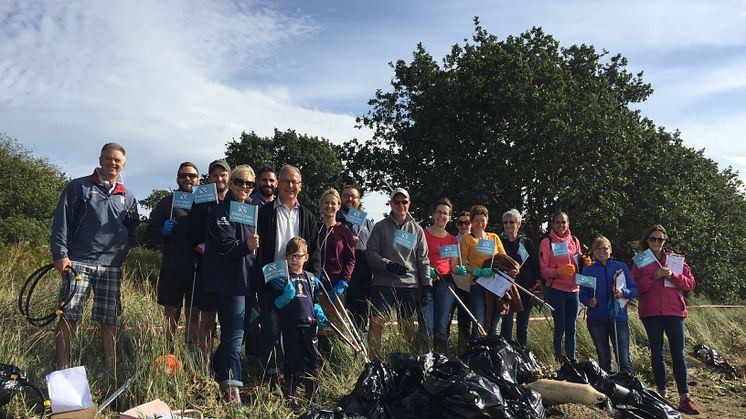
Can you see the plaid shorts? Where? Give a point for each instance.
(106, 284)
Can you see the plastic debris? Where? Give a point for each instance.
(712, 358)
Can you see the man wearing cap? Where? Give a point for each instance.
(94, 227)
(359, 292)
(278, 222)
(167, 230)
(397, 255)
(218, 173)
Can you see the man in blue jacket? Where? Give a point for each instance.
(94, 227)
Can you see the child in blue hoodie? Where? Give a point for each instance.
(607, 305)
(299, 314)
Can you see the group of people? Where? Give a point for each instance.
(216, 266)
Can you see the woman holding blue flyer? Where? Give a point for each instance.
(662, 309)
(441, 247)
(229, 260)
(559, 255)
(522, 249)
(477, 248)
(606, 298)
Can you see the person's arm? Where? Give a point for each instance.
(131, 221)
(466, 248)
(423, 265)
(373, 251)
(586, 293)
(63, 215)
(545, 254)
(155, 224)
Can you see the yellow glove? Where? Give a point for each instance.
(566, 270)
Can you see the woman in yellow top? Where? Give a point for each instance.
(478, 247)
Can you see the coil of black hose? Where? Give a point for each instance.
(13, 380)
(69, 287)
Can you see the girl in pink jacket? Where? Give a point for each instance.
(662, 310)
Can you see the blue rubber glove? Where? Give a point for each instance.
(433, 273)
(483, 272)
(396, 268)
(288, 293)
(277, 283)
(318, 313)
(168, 226)
(427, 295)
(341, 286)
(460, 270)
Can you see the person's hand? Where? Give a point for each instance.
(536, 288)
(483, 272)
(355, 240)
(662, 273)
(62, 263)
(318, 313)
(433, 273)
(288, 293)
(592, 303)
(587, 260)
(427, 295)
(566, 270)
(199, 249)
(395, 268)
(253, 242)
(277, 283)
(460, 270)
(618, 293)
(339, 288)
(168, 226)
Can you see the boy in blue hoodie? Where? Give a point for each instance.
(607, 309)
(300, 315)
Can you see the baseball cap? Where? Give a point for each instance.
(220, 163)
(398, 191)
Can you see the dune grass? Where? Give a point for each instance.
(141, 340)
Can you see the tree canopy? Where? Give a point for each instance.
(31, 188)
(317, 159)
(525, 123)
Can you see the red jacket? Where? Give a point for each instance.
(549, 263)
(655, 298)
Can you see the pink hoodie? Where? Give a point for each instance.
(655, 298)
(549, 263)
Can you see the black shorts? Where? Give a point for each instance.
(174, 288)
(300, 347)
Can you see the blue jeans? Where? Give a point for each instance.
(426, 320)
(521, 325)
(565, 315)
(477, 306)
(226, 362)
(673, 327)
(601, 332)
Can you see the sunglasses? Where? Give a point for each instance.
(508, 222)
(248, 184)
(402, 202)
(187, 175)
(656, 239)
(463, 223)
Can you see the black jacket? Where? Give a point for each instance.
(177, 248)
(267, 226)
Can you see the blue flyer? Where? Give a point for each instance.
(404, 238)
(205, 193)
(274, 270)
(486, 247)
(449, 251)
(559, 249)
(355, 216)
(243, 213)
(585, 281)
(183, 200)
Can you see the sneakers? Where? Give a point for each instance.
(686, 405)
(231, 396)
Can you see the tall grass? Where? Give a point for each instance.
(141, 339)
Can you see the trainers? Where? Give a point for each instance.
(686, 405)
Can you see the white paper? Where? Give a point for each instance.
(621, 284)
(676, 264)
(497, 285)
(69, 390)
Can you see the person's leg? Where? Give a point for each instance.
(506, 330)
(108, 343)
(521, 328)
(226, 361)
(107, 307)
(556, 300)
(599, 331)
(674, 328)
(476, 306)
(425, 319)
(622, 332)
(408, 305)
(443, 302)
(464, 321)
(172, 320)
(358, 294)
(382, 299)
(654, 329)
(251, 327)
(571, 318)
(64, 333)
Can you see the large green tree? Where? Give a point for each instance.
(317, 159)
(30, 190)
(525, 123)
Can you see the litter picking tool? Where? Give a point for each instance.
(520, 287)
(69, 287)
(346, 321)
(480, 329)
(166, 363)
(121, 389)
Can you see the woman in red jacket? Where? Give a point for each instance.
(662, 310)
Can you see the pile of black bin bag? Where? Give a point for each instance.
(625, 392)
(483, 382)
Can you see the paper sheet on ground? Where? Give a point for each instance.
(69, 390)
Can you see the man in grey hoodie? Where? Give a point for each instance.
(397, 255)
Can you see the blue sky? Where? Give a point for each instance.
(175, 80)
